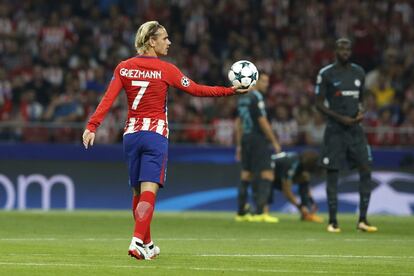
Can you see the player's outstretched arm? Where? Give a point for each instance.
(177, 79)
(88, 138)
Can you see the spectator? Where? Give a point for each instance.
(315, 130)
(39, 48)
(285, 127)
(385, 134)
(407, 128)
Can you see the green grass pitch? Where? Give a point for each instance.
(201, 243)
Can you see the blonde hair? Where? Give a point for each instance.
(145, 32)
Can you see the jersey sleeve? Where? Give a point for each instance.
(115, 86)
(321, 85)
(178, 80)
(258, 108)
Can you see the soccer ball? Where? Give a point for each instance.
(244, 73)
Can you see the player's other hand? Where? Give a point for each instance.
(348, 121)
(240, 89)
(359, 117)
(88, 137)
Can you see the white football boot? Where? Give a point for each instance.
(152, 250)
(137, 250)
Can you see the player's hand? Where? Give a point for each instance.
(348, 121)
(238, 153)
(240, 89)
(277, 148)
(88, 137)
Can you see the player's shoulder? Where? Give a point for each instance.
(146, 59)
(326, 69)
(257, 95)
(358, 68)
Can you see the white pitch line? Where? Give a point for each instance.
(298, 272)
(305, 256)
(205, 239)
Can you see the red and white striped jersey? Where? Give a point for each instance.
(145, 81)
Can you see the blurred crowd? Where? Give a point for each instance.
(57, 57)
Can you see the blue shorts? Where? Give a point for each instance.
(147, 155)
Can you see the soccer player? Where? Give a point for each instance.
(253, 134)
(145, 79)
(341, 85)
(294, 168)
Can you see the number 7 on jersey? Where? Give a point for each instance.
(144, 86)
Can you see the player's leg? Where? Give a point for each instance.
(135, 199)
(332, 194)
(360, 156)
(149, 245)
(304, 194)
(262, 186)
(276, 185)
(261, 168)
(263, 177)
(307, 201)
(243, 212)
(131, 152)
(365, 187)
(242, 196)
(143, 217)
(152, 170)
(264, 190)
(332, 154)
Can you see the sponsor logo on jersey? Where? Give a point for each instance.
(185, 81)
(140, 74)
(347, 93)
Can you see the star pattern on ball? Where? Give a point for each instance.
(238, 76)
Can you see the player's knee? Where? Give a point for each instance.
(143, 210)
(365, 172)
(267, 175)
(246, 176)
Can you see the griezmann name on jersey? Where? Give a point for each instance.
(146, 81)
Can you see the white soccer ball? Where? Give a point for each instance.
(244, 73)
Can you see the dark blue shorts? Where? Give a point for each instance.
(147, 155)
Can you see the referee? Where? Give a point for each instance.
(339, 94)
